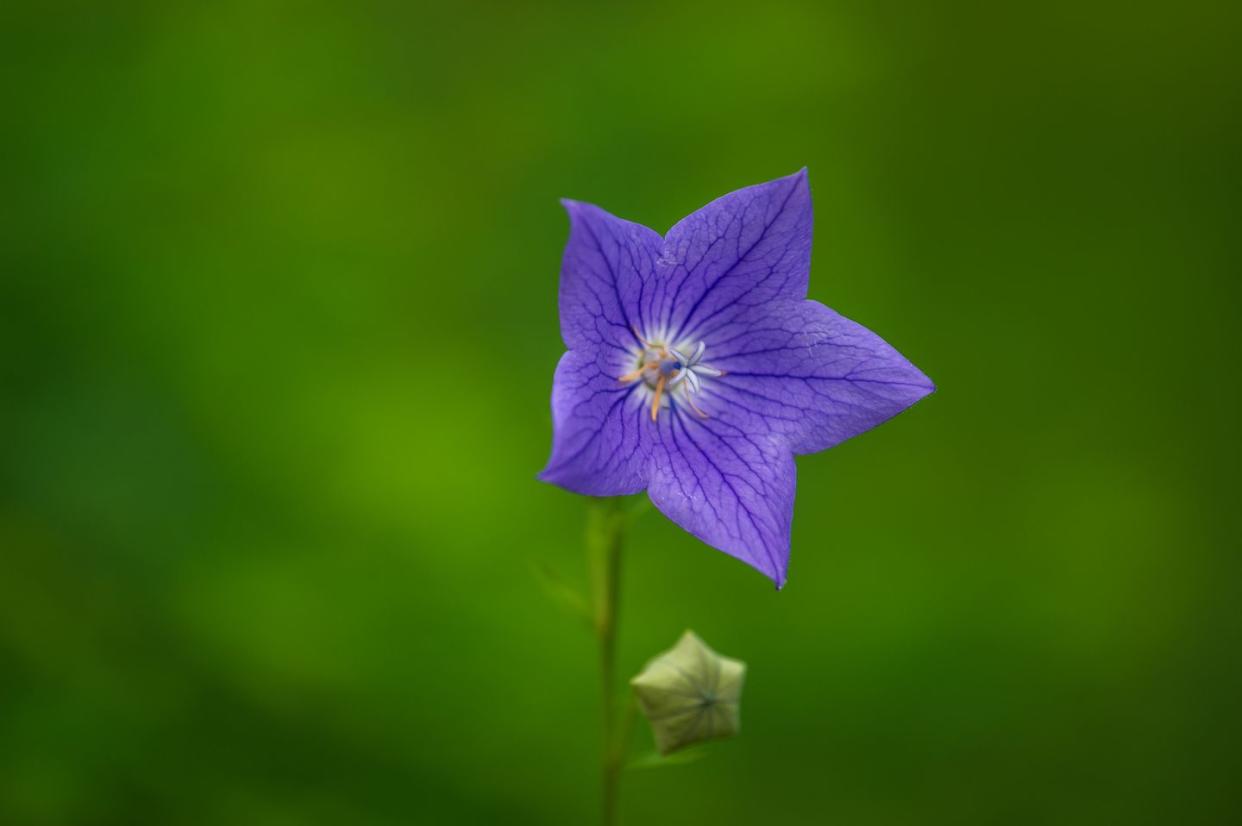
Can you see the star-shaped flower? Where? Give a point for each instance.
(690, 693)
(697, 368)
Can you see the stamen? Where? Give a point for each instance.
(665, 369)
(655, 403)
(693, 406)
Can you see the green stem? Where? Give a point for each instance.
(605, 537)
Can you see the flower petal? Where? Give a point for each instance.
(607, 265)
(600, 436)
(731, 487)
(814, 376)
(743, 250)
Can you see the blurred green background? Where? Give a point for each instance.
(278, 324)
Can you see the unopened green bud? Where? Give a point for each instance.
(690, 694)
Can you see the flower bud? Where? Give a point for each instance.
(690, 694)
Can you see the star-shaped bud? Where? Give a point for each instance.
(690, 694)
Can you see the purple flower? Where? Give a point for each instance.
(697, 368)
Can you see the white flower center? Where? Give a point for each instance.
(667, 372)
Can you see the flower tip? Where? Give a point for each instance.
(778, 575)
(550, 477)
(801, 176)
(574, 207)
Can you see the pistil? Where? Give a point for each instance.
(666, 368)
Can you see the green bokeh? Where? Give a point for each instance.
(278, 324)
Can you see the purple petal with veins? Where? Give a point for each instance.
(711, 436)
